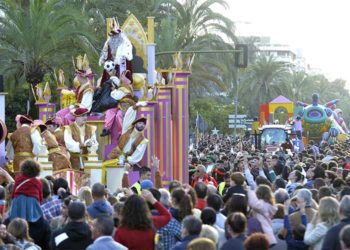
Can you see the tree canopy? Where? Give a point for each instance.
(38, 37)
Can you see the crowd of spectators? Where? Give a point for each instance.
(238, 197)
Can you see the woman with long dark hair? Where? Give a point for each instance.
(137, 226)
(181, 204)
(239, 203)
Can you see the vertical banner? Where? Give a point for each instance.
(164, 140)
(180, 126)
(149, 132)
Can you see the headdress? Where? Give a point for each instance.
(114, 28)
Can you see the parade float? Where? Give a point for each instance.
(159, 98)
(280, 109)
(320, 122)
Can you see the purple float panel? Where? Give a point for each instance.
(149, 132)
(164, 142)
(46, 110)
(2, 117)
(180, 114)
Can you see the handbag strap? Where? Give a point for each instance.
(20, 185)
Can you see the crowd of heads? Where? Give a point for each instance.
(237, 196)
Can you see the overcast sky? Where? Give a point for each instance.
(321, 28)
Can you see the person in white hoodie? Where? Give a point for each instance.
(326, 217)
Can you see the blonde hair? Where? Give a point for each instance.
(201, 244)
(85, 195)
(328, 211)
(210, 233)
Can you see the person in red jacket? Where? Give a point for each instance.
(201, 176)
(138, 227)
(27, 196)
(27, 193)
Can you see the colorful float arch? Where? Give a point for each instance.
(166, 111)
(279, 109)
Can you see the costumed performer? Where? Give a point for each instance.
(60, 159)
(132, 144)
(117, 49)
(26, 142)
(114, 116)
(84, 91)
(80, 139)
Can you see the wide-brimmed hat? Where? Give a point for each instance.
(54, 121)
(80, 112)
(25, 119)
(3, 131)
(141, 119)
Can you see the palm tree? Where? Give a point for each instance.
(298, 83)
(193, 25)
(262, 82)
(36, 39)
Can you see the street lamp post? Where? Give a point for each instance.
(235, 102)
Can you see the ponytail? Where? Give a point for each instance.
(184, 203)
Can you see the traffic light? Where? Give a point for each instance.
(241, 56)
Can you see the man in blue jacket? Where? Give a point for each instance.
(100, 206)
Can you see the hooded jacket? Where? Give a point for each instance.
(99, 207)
(75, 235)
